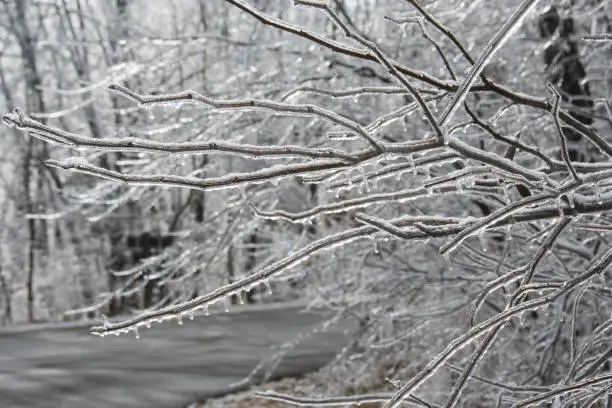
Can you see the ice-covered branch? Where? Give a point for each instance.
(576, 387)
(132, 144)
(249, 103)
(597, 267)
(213, 183)
(331, 401)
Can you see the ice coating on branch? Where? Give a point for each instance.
(74, 162)
(14, 118)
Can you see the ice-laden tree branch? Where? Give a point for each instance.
(467, 85)
(407, 228)
(436, 226)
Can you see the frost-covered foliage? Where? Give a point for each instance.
(437, 170)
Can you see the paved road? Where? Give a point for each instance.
(168, 367)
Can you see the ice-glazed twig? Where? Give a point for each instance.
(333, 45)
(488, 341)
(579, 386)
(423, 226)
(544, 248)
(597, 267)
(382, 59)
(412, 166)
(433, 42)
(261, 277)
(512, 143)
(132, 144)
(213, 183)
(351, 204)
(493, 218)
(248, 103)
(527, 388)
(489, 51)
(443, 29)
(468, 371)
(598, 37)
(496, 161)
(495, 284)
(562, 137)
(330, 401)
(349, 92)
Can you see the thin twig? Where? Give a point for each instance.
(563, 139)
(491, 48)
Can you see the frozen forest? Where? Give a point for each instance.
(439, 172)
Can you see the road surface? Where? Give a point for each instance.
(170, 366)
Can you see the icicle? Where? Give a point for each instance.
(560, 206)
(434, 105)
(506, 189)
(241, 297)
(470, 181)
(376, 249)
(602, 279)
(151, 113)
(206, 312)
(483, 241)
(179, 320)
(104, 322)
(191, 315)
(226, 304)
(522, 318)
(597, 193)
(374, 184)
(364, 181)
(268, 287)
(136, 333)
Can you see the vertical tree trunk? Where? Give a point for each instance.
(36, 153)
(251, 261)
(230, 269)
(7, 313)
(117, 30)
